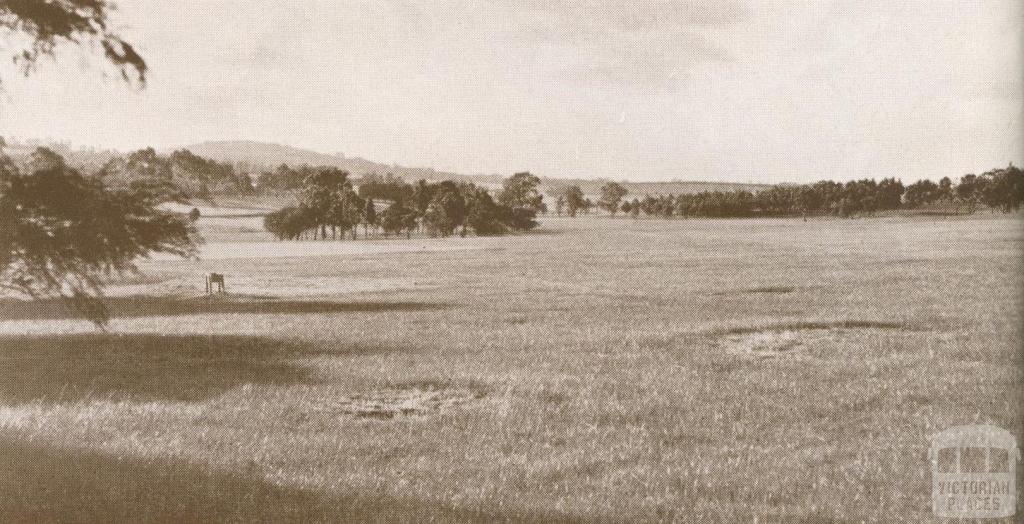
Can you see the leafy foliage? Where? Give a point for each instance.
(520, 191)
(397, 219)
(447, 210)
(387, 187)
(283, 178)
(574, 200)
(197, 177)
(327, 200)
(62, 232)
(611, 195)
(999, 189)
(43, 25)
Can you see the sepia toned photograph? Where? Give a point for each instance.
(591, 261)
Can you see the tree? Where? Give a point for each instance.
(328, 199)
(452, 201)
(398, 218)
(436, 221)
(968, 192)
(1003, 189)
(520, 191)
(289, 223)
(517, 218)
(274, 222)
(587, 206)
(196, 176)
(283, 178)
(890, 193)
(557, 193)
(611, 195)
(203, 176)
(574, 200)
(920, 193)
(369, 216)
(945, 192)
(446, 211)
(61, 233)
(667, 205)
(422, 195)
(45, 25)
(346, 211)
(321, 192)
(485, 217)
(387, 187)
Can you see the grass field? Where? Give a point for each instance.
(596, 370)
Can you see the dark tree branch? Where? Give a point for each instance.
(48, 23)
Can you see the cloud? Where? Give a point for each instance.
(653, 67)
(637, 16)
(646, 46)
(661, 15)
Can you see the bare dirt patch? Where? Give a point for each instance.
(762, 344)
(792, 340)
(391, 403)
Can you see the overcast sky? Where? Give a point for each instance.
(760, 91)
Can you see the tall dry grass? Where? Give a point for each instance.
(608, 363)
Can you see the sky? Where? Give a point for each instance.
(758, 91)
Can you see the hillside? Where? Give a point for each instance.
(88, 159)
(255, 157)
(263, 155)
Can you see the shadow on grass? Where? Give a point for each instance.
(756, 290)
(60, 368)
(146, 306)
(40, 483)
(823, 325)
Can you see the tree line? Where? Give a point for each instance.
(997, 190)
(195, 176)
(331, 208)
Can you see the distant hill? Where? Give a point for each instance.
(263, 155)
(254, 157)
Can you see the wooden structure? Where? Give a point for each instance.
(215, 279)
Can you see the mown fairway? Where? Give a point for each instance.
(597, 369)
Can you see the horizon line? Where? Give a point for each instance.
(15, 140)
